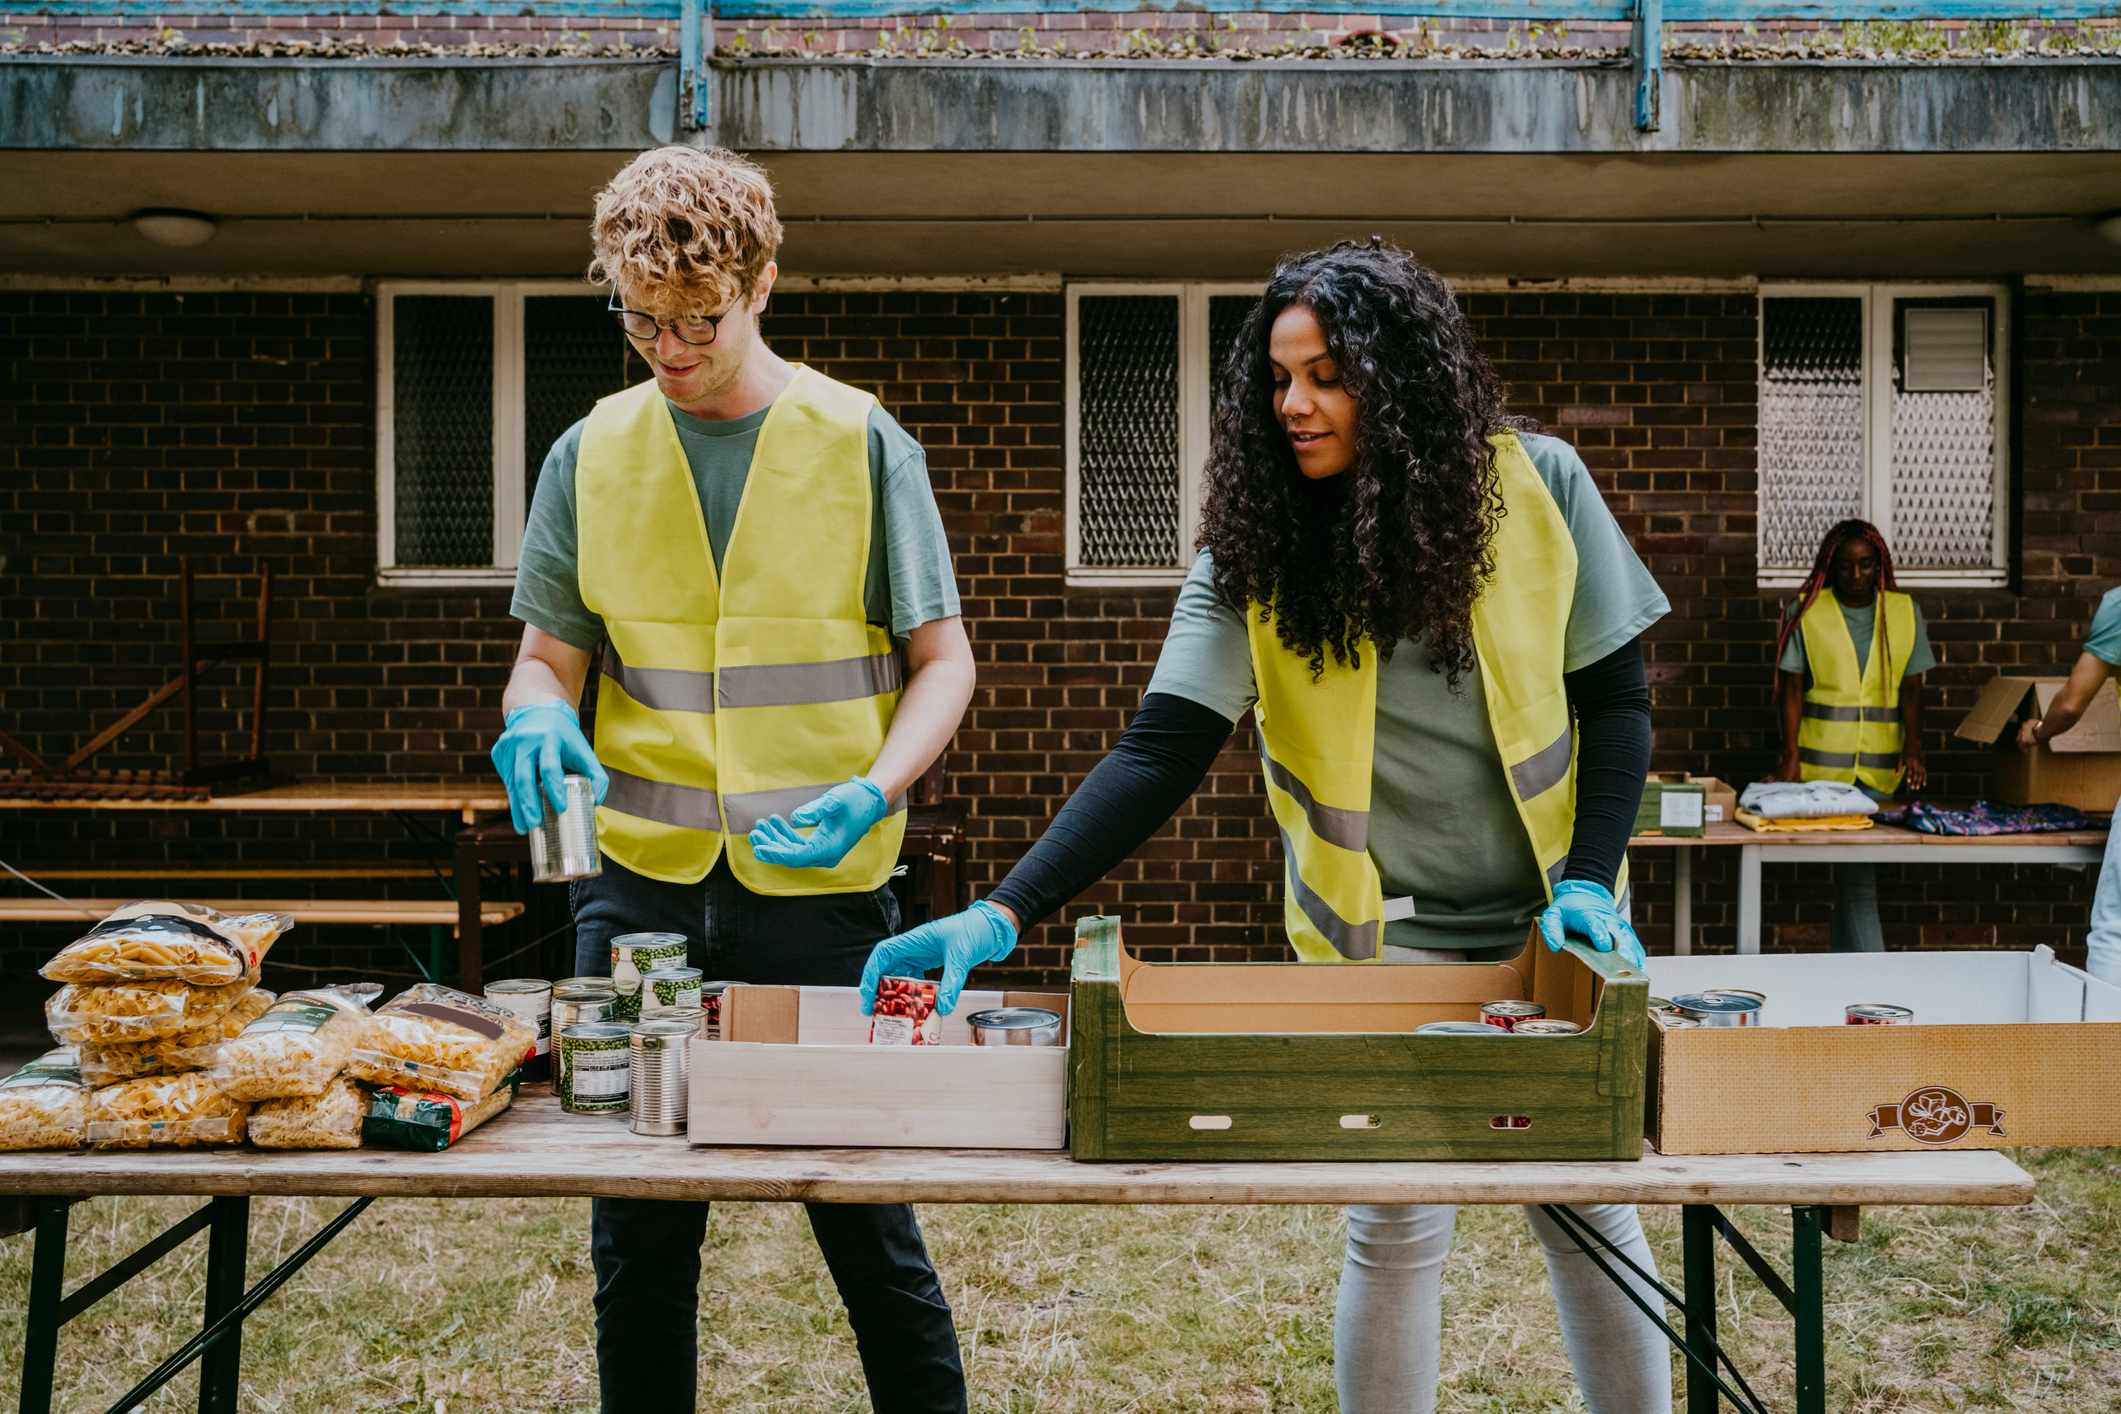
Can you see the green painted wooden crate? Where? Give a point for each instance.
(1311, 1061)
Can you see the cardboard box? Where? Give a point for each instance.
(1318, 1061)
(795, 1067)
(2081, 767)
(1719, 802)
(2007, 1049)
(1672, 804)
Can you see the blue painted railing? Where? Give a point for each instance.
(1648, 17)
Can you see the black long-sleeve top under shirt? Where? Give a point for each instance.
(1165, 753)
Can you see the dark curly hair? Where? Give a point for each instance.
(1399, 545)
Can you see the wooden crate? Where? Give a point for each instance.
(1310, 1061)
(795, 1067)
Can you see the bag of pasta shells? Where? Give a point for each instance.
(331, 1120)
(298, 1045)
(118, 1012)
(160, 1111)
(431, 1037)
(177, 942)
(44, 1105)
(105, 1063)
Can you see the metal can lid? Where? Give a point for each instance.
(583, 993)
(665, 1026)
(1514, 1008)
(1542, 1027)
(1013, 1018)
(1879, 1009)
(1760, 997)
(594, 1031)
(1719, 1001)
(1662, 1004)
(1676, 1022)
(604, 982)
(715, 989)
(646, 940)
(673, 974)
(517, 986)
(1459, 1028)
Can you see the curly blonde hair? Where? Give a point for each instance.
(687, 230)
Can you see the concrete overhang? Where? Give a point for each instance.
(1140, 168)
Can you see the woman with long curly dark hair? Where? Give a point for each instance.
(1434, 620)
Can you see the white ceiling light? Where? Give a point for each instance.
(174, 228)
(2108, 227)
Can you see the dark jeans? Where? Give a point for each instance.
(647, 1253)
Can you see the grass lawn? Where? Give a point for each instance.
(484, 1305)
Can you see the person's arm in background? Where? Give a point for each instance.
(2068, 708)
(1913, 770)
(1789, 703)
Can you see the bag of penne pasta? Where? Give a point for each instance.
(176, 942)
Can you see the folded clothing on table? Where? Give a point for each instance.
(1982, 818)
(1805, 800)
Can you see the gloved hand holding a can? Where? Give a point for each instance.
(541, 745)
(957, 944)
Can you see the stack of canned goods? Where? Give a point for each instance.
(1720, 1007)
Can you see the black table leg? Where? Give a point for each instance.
(227, 1258)
(1808, 1310)
(1698, 1246)
(47, 1288)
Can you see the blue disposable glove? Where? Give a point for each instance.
(1582, 909)
(842, 816)
(956, 944)
(540, 746)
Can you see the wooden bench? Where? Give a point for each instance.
(384, 912)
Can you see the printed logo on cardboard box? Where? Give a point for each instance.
(1936, 1115)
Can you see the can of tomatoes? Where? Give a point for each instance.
(1878, 1014)
(1509, 1014)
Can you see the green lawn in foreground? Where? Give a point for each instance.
(484, 1305)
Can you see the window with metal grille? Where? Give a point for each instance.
(1142, 364)
(475, 381)
(1888, 403)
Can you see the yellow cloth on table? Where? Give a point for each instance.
(1823, 822)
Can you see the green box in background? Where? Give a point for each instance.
(1672, 806)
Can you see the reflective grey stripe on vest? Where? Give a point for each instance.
(1355, 941)
(797, 684)
(748, 808)
(689, 807)
(1555, 871)
(662, 689)
(1350, 829)
(1831, 760)
(1820, 712)
(1545, 769)
(1878, 761)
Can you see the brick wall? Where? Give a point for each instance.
(235, 428)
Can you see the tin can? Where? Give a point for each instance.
(564, 845)
(1459, 1028)
(1673, 1021)
(632, 955)
(1760, 997)
(594, 1068)
(1508, 1014)
(672, 991)
(581, 1000)
(711, 1008)
(1541, 1026)
(531, 999)
(661, 1065)
(1663, 1004)
(1720, 1008)
(1015, 1026)
(1878, 1014)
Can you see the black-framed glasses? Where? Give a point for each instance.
(645, 326)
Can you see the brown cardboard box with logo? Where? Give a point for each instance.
(2005, 1049)
(2081, 767)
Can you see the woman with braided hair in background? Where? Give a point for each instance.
(1850, 654)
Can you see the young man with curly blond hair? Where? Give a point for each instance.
(757, 551)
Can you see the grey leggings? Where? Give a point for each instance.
(1388, 1328)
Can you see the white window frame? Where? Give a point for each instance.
(1879, 300)
(509, 509)
(1193, 415)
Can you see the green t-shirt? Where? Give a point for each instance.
(1863, 628)
(909, 576)
(1443, 826)
(2104, 641)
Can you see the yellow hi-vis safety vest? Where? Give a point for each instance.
(1318, 738)
(728, 698)
(1851, 725)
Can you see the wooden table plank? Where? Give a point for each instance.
(1726, 833)
(536, 1150)
(385, 912)
(485, 797)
